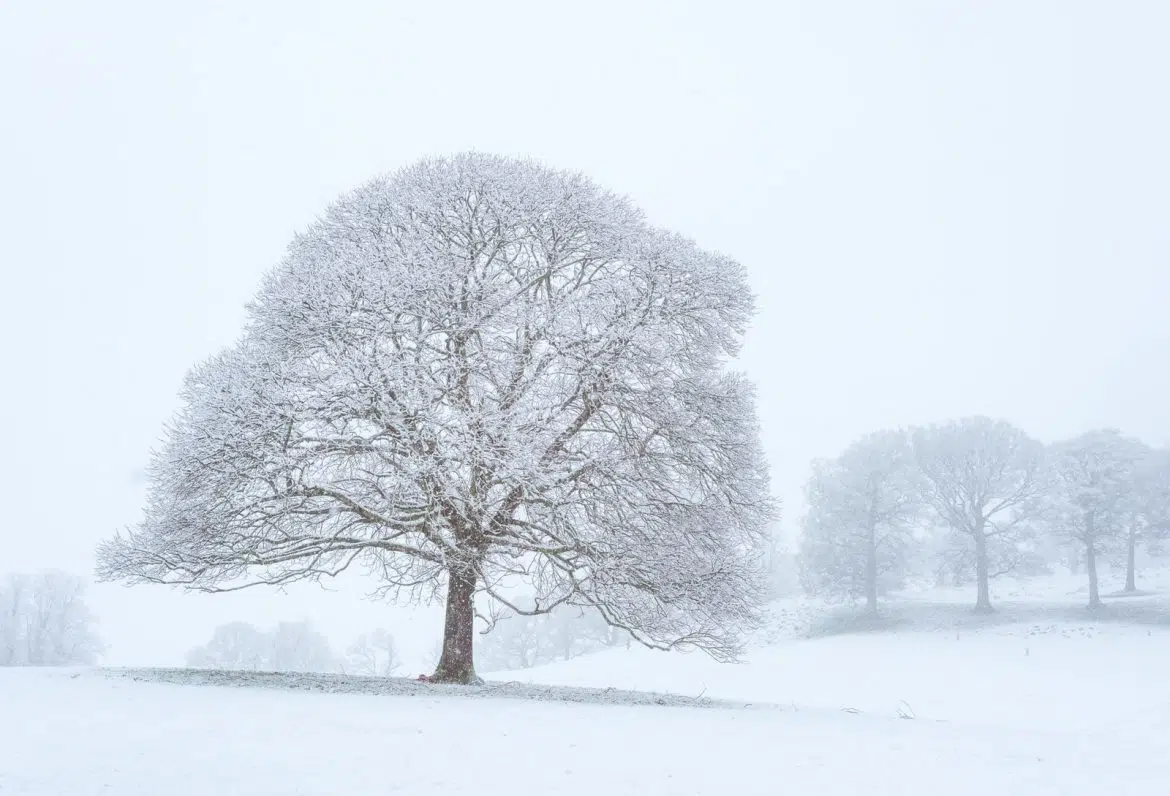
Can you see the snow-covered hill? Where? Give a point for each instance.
(89, 733)
(1041, 660)
(1049, 676)
(1043, 698)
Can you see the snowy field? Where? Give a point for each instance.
(1041, 699)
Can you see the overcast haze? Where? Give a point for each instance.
(946, 208)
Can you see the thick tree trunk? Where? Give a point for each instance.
(983, 586)
(871, 572)
(457, 664)
(1091, 566)
(1131, 562)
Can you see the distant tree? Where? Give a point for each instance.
(475, 369)
(983, 479)
(601, 634)
(514, 640)
(949, 556)
(44, 621)
(1147, 510)
(235, 645)
(574, 631)
(1051, 551)
(1092, 497)
(863, 508)
(782, 566)
(435, 655)
(522, 641)
(359, 658)
(373, 655)
(289, 647)
(297, 647)
(386, 660)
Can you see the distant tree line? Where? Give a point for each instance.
(977, 498)
(288, 647)
(519, 641)
(507, 642)
(44, 621)
(294, 647)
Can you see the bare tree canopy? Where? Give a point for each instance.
(373, 654)
(1148, 510)
(863, 508)
(1000, 502)
(473, 369)
(44, 621)
(983, 478)
(288, 647)
(1094, 493)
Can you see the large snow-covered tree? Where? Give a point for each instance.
(983, 478)
(862, 509)
(1092, 497)
(473, 369)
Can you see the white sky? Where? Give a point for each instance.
(946, 208)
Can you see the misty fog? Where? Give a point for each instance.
(747, 367)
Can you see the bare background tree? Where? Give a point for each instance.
(522, 641)
(477, 370)
(1098, 495)
(782, 565)
(298, 647)
(235, 645)
(862, 510)
(44, 621)
(1147, 510)
(1093, 493)
(515, 642)
(983, 479)
(289, 647)
(373, 654)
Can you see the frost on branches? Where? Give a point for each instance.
(983, 479)
(1094, 494)
(863, 508)
(44, 621)
(476, 369)
(1147, 509)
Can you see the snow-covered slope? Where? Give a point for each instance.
(85, 733)
(1042, 660)
(1043, 698)
(1052, 676)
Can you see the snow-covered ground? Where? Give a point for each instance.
(1042, 699)
(89, 734)
(1080, 677)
